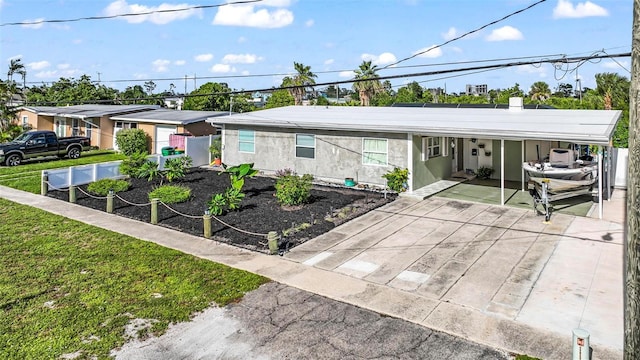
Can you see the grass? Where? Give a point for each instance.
(67, 287)
(27, 176)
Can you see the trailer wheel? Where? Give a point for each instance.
(73, 153)
(13, 160)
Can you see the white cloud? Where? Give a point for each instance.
(38, 24)
(240, 59)
(242, 39)
(452, 33)
(222, 68)
(565, 9)
(382, 59)
(161, 65)
(39, 65)
(77, 41)
(203, 57)
(541, 71)
(248, 15)
(120, 7)
(245, 72)
(347, 74)
(328, 61)
(309, 23)
(179, 62)
(63, 66)
(505, 33)
(433, 53)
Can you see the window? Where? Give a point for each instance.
(374, 151)
(25, 121)
(246, 141)
(75, 127)
(305, 146)
(433, 147)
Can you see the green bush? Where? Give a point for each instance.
(176, 168)
(484, 172)
(103, 186)
(217, 204)
(397, 179)
(293, 190)
(132, 165)
(171, 194)
(130, 141)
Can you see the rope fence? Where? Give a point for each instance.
(272, 236)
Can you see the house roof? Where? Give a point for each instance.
(87, 111)
(168, 116)
(579, 126)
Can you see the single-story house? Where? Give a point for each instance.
(433, 143)
(102, 122)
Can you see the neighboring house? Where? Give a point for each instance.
(434, 143)
(93, 121)
(102, 122)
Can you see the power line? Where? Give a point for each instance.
(38, 22)
(474, 69)
(466, 34)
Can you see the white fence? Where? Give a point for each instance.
(195, 147)
(621, 168)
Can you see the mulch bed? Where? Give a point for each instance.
(260, 211)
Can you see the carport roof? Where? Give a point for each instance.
(167, 116)
(87, 111)
(578, 126)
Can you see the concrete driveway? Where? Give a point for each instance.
(496, 275)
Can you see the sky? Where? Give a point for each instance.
(253, 45)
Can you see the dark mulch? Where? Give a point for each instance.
(260, 212)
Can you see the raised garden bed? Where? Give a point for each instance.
(260, 212)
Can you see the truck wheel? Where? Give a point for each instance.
(74, 153)
(13, 160)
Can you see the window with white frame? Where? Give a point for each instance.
(374, 151)
(305, 146)
(434, 146)
(25, 120)
(75, 127)
(246, 141)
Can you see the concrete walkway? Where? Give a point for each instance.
(491, 274)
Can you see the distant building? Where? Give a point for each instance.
(477, 90)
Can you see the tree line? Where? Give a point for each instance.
(611, 92)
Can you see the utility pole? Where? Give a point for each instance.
(632, 229)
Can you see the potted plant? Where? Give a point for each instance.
(216, 152)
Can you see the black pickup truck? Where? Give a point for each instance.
(41, 143)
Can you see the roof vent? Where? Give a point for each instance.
(516, 103)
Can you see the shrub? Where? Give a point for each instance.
(484, 172)
(171, 194)
(133, 163)
(284, 172)
(176, 168)
(217, 204)
(293, 190)
(103, 186)
(232, 197)
(130, 141)
(397, 179)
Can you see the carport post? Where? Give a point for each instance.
(523, 160)
(501, 171)
(600, 181)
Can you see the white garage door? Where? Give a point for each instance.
(162, 137)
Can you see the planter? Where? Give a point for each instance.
(216, 162)
(349, 182)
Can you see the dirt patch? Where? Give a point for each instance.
(260, 213)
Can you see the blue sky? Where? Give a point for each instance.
(253, 45)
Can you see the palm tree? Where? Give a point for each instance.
(16, 67)
(540, 91)
(299, 83)
(614, 90)
(367, 83)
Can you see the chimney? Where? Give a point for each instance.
(516, 103)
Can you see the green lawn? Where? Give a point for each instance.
(67, 287)
(27, 176)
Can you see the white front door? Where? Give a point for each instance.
(162, 137)
(60, 126)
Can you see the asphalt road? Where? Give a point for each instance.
(281, 322)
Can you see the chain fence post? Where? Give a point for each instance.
(154, 210)
(44, 183)
(72, 194)
(206, 218)
(110, 202)
(272, 239)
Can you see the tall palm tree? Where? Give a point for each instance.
(17, 67)
(540, 91)
(300, 82)
(614, 90)
(367, 83)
